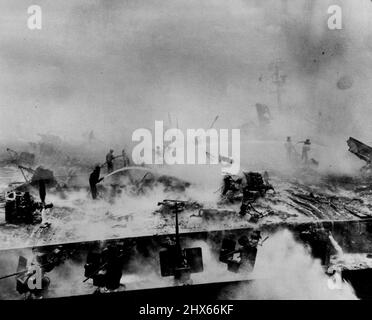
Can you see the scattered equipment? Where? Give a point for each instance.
(21, 207)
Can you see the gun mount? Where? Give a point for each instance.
(256, 187)
(31, 279)
(243, 258)
(176, 261)
(21, 207)
(105, 268)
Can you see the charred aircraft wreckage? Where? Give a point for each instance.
(190, 239)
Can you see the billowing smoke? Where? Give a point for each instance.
(108, 69)
(286, 270)
(98, 70)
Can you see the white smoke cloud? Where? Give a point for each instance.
(286, 270)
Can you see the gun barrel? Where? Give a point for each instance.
(13, 274)
(230, 253)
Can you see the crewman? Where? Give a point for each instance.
(253, 188)
(249, 197)
(125, 158)
(305, 150)
(110, 161)
(42, 190)
(94, 179)
(289, 149)
(228, 185)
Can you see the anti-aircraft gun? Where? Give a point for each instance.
(105, 267)
(256, 186)
(243, 258)
(175, 260)
(21, 207)
(31, 279)
(231, 188)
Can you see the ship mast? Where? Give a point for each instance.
(278, 79)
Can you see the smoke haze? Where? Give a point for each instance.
(119, 65)
(286, 270)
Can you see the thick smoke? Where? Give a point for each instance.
(116, 66)
(286, 270)
(119, 66)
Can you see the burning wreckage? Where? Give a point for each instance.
(363, 152)
(230, 234)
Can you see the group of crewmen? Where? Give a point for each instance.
(292, 153)
(110, 160)
(94, 177)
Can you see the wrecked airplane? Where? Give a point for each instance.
(362, 151)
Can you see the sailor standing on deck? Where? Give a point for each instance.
(42, 190)
(305, 150)
(125, 158)
(110, 161)
(289, 149)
